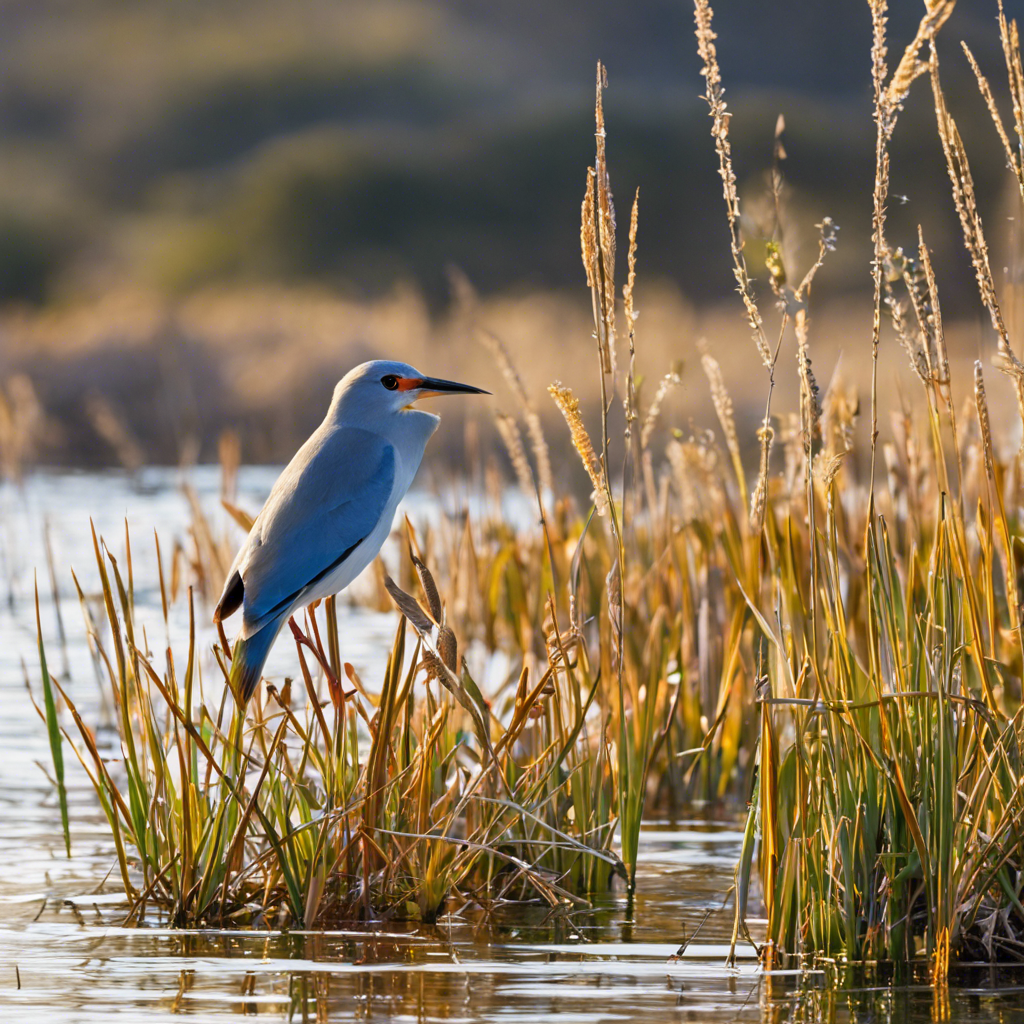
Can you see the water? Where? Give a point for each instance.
(65, 957)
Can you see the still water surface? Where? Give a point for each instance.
(64, 956)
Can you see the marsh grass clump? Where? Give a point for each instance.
(888, 793)
(320, 807)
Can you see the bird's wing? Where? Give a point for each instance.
(327, 501)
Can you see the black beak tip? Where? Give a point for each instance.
(440, 386)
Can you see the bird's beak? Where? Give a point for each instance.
(430, 386)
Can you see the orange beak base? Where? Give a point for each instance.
(429, 386)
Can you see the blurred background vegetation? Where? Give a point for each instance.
(208, 211)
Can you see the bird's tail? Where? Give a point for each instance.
(247, 661)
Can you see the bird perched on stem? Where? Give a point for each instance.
(331, 509)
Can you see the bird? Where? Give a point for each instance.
(331, 508)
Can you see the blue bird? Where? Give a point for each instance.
(331, 509)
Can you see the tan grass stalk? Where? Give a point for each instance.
(627, 288)
(810, 401)
(682, 474)
(588, 232)
(724, 408)
(513, 442)
(1010, 39)
(933, 319)
(965, 200)
(984, 426)
(758, 500)
(884, 124)
(720, 115)
(911, 343)
(911, 66)
(604, 217)
(671, 380)
(569, 406)
(538, 442)
(1012, 157)
(631, 467)
(966, 203)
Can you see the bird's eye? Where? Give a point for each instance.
(390, 381)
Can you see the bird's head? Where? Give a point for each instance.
(383, 388)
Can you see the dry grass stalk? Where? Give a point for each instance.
(908, 338)
(429, 588)
(696, 472)
(1010, 39)
(810, 406)
(839, 412)
(513, 442)
(604, 216)
(1012, 157)
(966, 204)
(569, 406)
(115, 431)
(22, 425)
(724, 409)
(538, 442)
(965, 200)
(671, 380)
(911, 66)
(758, 500)
(932, 324)
(981, 404)
(884, 124)
(720, 115)
(627, 288)
(633, 467)
(921, 338)
(828, 233)
(588, 232)
(827, 465)
(810, 403)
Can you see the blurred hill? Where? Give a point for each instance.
(209, 211)
(365, 142)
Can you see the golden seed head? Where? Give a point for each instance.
(569, 406)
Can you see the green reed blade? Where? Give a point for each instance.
(53, 732)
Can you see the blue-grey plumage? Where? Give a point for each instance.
(331, 509)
